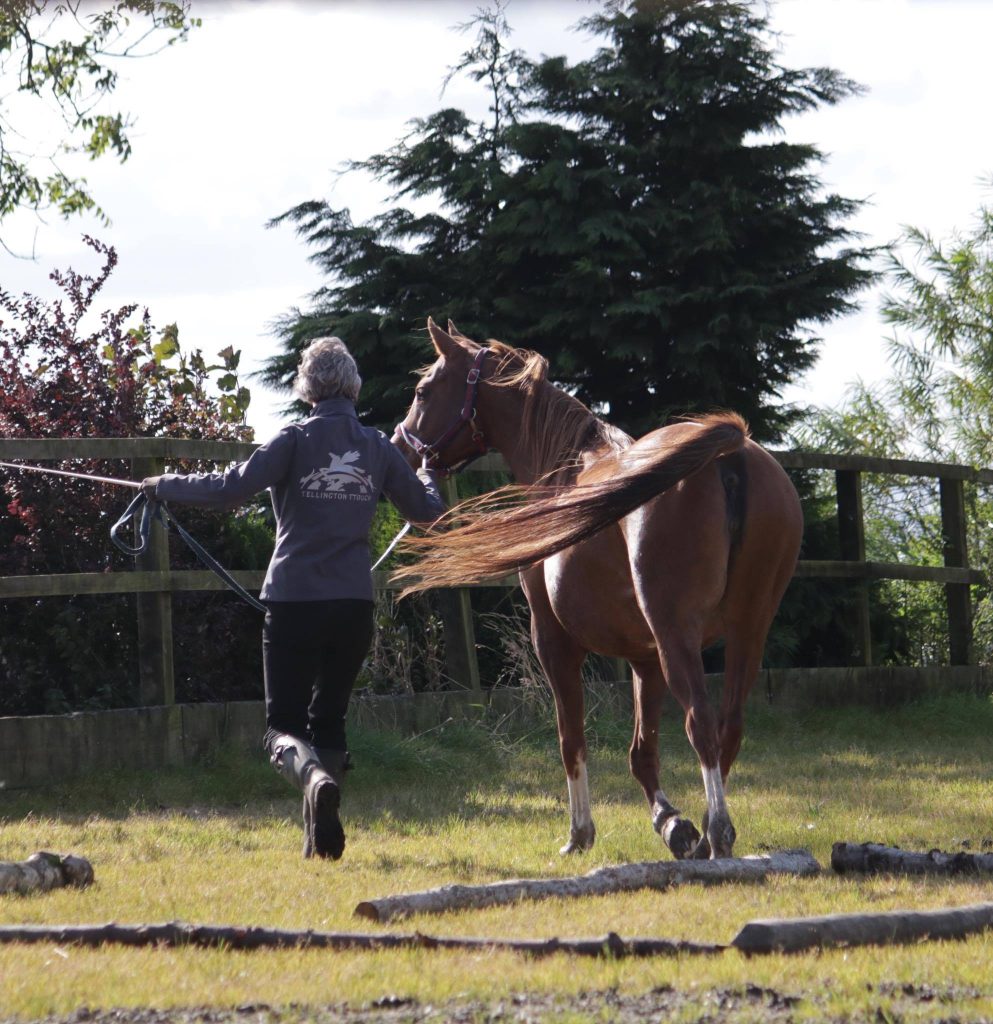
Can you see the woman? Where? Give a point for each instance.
(324, 475)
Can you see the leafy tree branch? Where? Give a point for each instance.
(63, 57)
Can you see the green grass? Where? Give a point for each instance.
(221, 845)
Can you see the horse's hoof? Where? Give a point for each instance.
(702, 850)
(580, 840)
(722, 835)
(681, 836)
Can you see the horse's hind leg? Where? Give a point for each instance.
(742, 660)
(749, 616)
(678, 833)
(683, 668)
(743, 657)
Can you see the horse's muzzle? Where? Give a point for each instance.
(409, 453)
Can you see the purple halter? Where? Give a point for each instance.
(431, 453)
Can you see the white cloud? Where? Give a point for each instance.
(266, 102)
(915, 145)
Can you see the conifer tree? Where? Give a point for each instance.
(634, 217)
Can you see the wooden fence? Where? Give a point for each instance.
(154, 582)
(955, 574)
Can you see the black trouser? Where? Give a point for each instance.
(311, 653)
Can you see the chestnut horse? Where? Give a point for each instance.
(646, 550)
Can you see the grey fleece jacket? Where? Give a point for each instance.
(324, 476)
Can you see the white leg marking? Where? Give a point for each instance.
(661, 804)
(662, 810)
(579, 798)
(714, 788)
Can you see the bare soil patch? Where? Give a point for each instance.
(717, 1006)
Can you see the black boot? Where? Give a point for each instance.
(336, 762)
(298, 762)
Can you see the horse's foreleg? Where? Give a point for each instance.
(582, 831)
(562, 660)
(569, 712)
(678, 833)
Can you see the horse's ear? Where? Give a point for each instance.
(455, 332)
(444, 343)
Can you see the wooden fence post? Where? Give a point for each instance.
(156, 682)
(851, 534)
(622, 670)
(955, 552)
(461, 662)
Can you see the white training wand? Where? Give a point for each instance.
(134, 484)
(393, 543)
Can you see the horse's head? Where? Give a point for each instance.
(441, 427)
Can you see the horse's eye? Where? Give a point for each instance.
(420, 393)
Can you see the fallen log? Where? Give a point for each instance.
(792, 935)
(873, 858)
(177, 933)
(625, 878)
(789, 935)
(43, 871)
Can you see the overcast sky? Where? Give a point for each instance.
(265, 102)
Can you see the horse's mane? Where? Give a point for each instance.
(556, 428)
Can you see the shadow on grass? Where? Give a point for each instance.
(448, 763)
(470, 770)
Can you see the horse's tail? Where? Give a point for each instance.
(515, 527)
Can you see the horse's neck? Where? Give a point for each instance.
(553, 434)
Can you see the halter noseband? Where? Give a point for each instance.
(431, 453)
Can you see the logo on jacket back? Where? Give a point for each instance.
(342, 480)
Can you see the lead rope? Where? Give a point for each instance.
(159, 510)
(149, 510)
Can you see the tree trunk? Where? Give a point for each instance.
(626, 878)
(871, 858)
(793, 935)
(233, 937)
(43, 871)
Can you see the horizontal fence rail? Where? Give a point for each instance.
(165, 448)
(153, 582)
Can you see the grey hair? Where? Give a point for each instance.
(327, 370)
